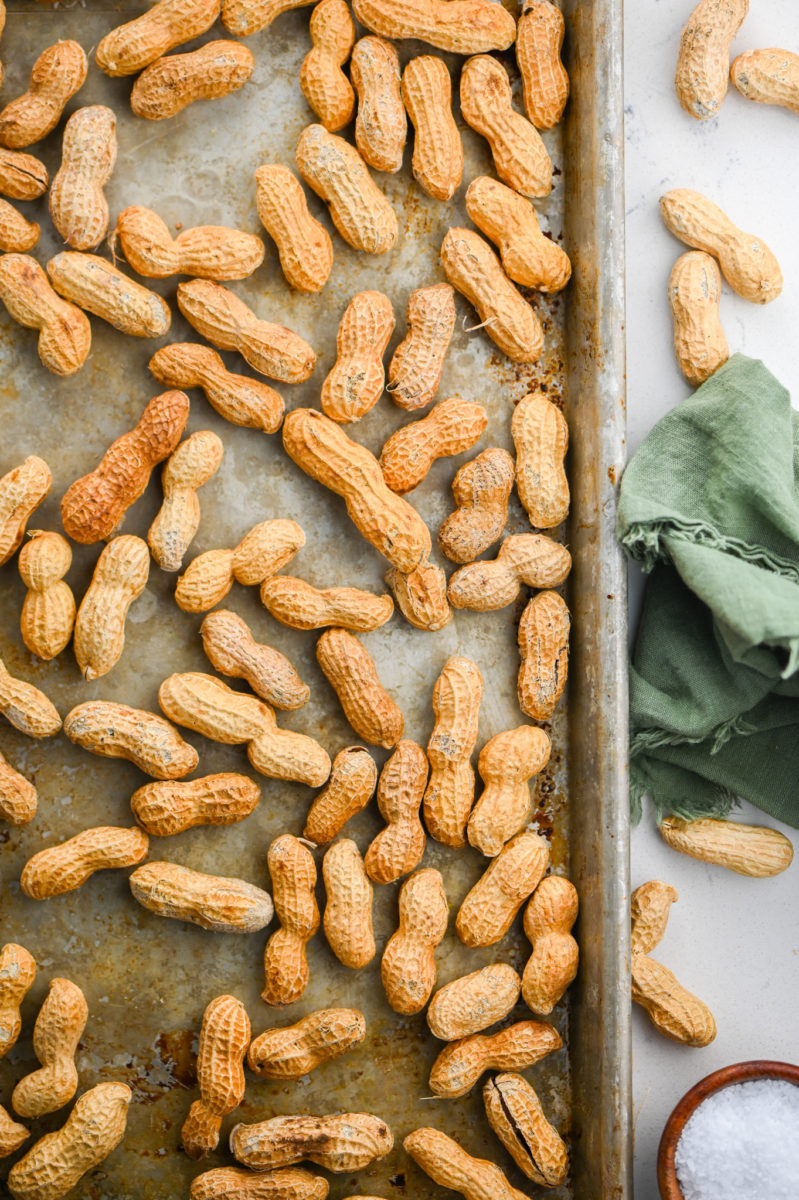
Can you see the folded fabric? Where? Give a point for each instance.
(709, 505)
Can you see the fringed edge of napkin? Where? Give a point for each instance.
(643, 542)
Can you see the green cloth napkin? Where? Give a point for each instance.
(710, 506)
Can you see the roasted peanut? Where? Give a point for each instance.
(65, 336)
(421, 596)
(460, 1064)
(449, 1165)
(17, 973)
(294, 1051)
(768, 77)
(263, 551)
(355, 384)
(694, 294)
(380, 126)
(339, 176)
(351, 672)
(450, 792)
(164, 809)
(414, 372)
(539, 37)
(65, 867)
(452, 426)
(224, 1038)
(488, 911)
(544, 651)
(324, 85)
(232, 650)
(541, 437)
(78, 205)
(243, 17)
(57, 75)
(59, 1025)
(397, 850)
(215, 902)
(22, 490)
(470, 27)
(704, 58)
(191, 465)
(437, 162)
(347, 919)
(53, 1166)
(552, 966)
(524, 558)
(95, 504)
(223, 319)
(517, 1118)
(349, 789)
(16, 233)
(18, 803)
(293, 881)
(474, 270)
(12, 1135)
(99, 288)
(120, 576)
(116, 731)
(320, 448)
(237, 1183)
(240, 400)
(208, 706)
(473, 1002)
(408, 966)
(341, 1143)
(133, 46)
(300, 606)
(303, 243)
(746, 849)
(168, 85)
(507, 763)
(746, 262)
(207, 251)
(481, 489)
(528, 256)
(25, 707)
(22, 177)
(649, 912)
(520, 156)
(48, 610)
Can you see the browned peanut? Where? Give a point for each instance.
(507, 763)
(450, 793)
(414, 372)
(349, 789)
(16, 233)
(381, 126)
(474, 270)
(347, 920)
(48, 610)
(322, 449)
(57, 74)
(351, 672)
(164, 809)
(397, 850)
(488, 911)
(421, 596)
(437, 162)
(300, 606)
(223, 319)
(208, 706)
(649, 912)
(454, 425)
(59, 1025)
(541, 437)
(704, 58)
(168, 85)
(528, 256)
(207, 251)
(263, 551)
(449, 1165)
(232, 650)
(116, 731)
(303, 243)
(342, 1143)
(524, 558)
(65, 867)
(120, 576)
(25, 707)
(552, 966)
(243, 17)
(216, 902)
(189, 466)
(324, 85)
(339, 176)
(355, 384)
(224, 1038)
(95, 504)
(460, 1064)
(544, 650)
(240, 400)
(17, 973)
(294, 1051)
(481, 489)
(768, 77)
(22, 177)
(517, 1118)
(133, 46)
(78, 205)
(65, 336)
(12, 1135)
(694, 294)
(746, 849)
(22, 490)
(99, 288)
(408, 966)
(539, 37)
(520, 156)
(18, 803)
(462, 26)
(473, 1002)
(293, 881)
(237, 1183)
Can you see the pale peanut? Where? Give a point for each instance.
(461, 26)
(481, 490)
(355, 384)
(78, 205)
(57, 74)
(168, 85)
(297, 604)
(380, 126)
(704, 58)
(324, 85)
(490, 907)
(397, 850)
(296, 1050)
(528, 256)
(349, 789)
(473, 1002)
(460, 1064)
(507, 763)
(437, 161)
(539, 38)
(238, 399)
(260, 554)
(133, 46)
(541, 437)
(215, 902)
(351, 671)
(449, 795)
(408, 966)
(25, 707)
(22, 177)
(188, 467)
(17, 973)
(517, 1118)
(544, 652)
(116, 731)
(224, 1038)
(237, 1183)
(520, 156)
(207, 251)
(16, 233)
(164, 809)
(120, 576)
(752, 850)
(700, 343)
(347, 920)
(768, 77)
(48, 610)
(452, 426)
(18, 802)
(58, 1029)
(421, 596)
(303, 243)
(12, 1134)
(243, 17)
(548, 920)
(22, 489)
(449, 1165)
(65, 336)
(63, 868)
(99, 288)
(232, 650)
(524, 558)
(414, 372)
(342, 1143)
(285, 961)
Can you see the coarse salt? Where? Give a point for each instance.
(742, 1143)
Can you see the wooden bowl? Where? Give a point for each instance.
(737, 1073)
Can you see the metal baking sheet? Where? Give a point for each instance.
(148, 980)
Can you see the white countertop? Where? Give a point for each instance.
(731, 940)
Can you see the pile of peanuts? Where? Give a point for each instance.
(419, 793)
